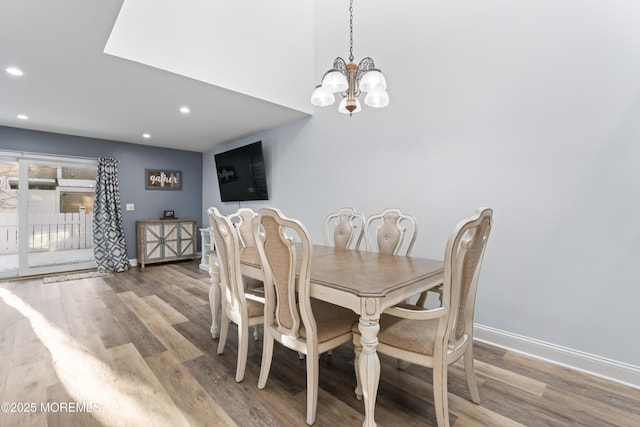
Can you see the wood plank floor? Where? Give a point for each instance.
(134, 349)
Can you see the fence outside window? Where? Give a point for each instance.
(47, 232)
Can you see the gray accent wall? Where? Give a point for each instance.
(134, 159)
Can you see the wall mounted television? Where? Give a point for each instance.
(241, 174)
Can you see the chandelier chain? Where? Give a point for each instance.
(351, 30)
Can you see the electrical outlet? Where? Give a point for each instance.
(131, 207)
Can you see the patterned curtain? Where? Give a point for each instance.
(109, 247)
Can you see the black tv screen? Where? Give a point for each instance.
(241, 174)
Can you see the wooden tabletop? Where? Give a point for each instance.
(364, 274)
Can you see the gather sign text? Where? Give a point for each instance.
(163, 179)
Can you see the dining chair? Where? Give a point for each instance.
(390, 232)
(344, 229)
(394, 232)
(242, 308)
(292, 317)
(242, 219)
(438, 337)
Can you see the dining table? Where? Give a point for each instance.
(365, 282)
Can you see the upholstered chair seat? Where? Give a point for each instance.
(332, 321)
(255, 308)
(417, 336)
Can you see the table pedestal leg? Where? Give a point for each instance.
(369, 365)
(214, 299)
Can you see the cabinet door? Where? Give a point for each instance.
(171, 239)
(153, 242)
(187, 234)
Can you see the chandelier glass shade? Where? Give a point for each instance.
(335, 81)
(351, 81)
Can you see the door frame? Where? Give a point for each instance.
(25, 159)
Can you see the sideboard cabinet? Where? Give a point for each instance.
(161, 240)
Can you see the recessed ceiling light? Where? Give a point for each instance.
(185, 110)
(146, 135)
(14, 71)
(22, 116)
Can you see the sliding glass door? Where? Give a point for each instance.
(46, 208)
(9, 216)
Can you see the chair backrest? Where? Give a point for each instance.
(282, 259)
(344, 228)
(462, 263)
(242, 220)
(228, 253)
(390, 232)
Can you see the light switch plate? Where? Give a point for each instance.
(131, 207)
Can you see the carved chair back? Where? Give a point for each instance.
(390, 232)
(287, 299)
(242, 220)
(228, 253)
(463, 260)
(344, 228)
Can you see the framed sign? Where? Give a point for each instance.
(159, 179)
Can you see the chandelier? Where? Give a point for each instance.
(351, 81)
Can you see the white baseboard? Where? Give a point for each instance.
(594, 365)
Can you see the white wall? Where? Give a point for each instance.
(529, 107)
(243, 46)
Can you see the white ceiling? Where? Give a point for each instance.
(71, 86)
